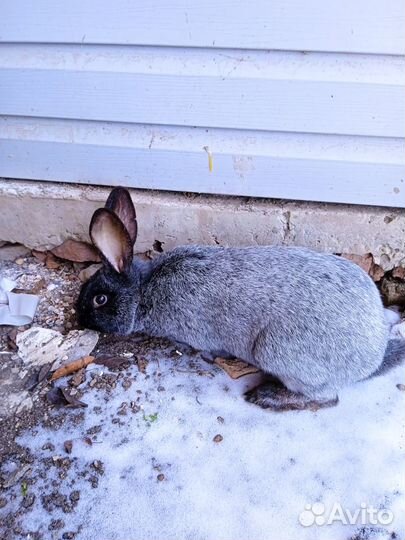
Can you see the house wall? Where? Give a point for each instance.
(280, 99)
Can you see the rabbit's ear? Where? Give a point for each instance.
(120, 202)
(110, 236)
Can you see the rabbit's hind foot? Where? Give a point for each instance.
(275, 396)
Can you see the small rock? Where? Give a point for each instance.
(39, 346)
(160, 477)
(3, 502)
(98, 466)
(122, 411)
(401, 387)
(13, 252)
(218, 438)
(68, 535)
(28, 500)
(126, 383)
(48, 446)
(74, 496)
(220, 419)
(56, 524)
(78, 378)
(68, 446)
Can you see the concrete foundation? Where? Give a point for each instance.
(43, 214)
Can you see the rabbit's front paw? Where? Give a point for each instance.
(274, 396)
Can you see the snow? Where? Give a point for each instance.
(253, 485)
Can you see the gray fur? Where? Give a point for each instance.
(315, 321)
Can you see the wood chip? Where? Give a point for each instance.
(68, 369)
(75, 251)
(235, 368)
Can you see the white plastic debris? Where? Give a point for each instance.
(16, 309)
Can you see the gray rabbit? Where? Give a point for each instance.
(314, 322)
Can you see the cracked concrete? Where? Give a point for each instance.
(43, 214)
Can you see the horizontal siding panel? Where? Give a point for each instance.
(255, 93)
(303, 167)
(361, 26)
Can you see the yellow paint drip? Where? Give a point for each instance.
(210, 158)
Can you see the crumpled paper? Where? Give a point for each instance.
(16, 309)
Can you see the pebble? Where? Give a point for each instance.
(28, 500)
(160, 477)
(218, 438)
(56, 524)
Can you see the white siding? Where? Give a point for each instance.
(132, 93)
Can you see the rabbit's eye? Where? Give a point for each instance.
(99, 300)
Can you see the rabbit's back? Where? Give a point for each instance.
(270, 306)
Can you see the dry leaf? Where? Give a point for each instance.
(399, 272)
(51, 261)
(39, 255)
(72, 401)
(89, 271)
(75, 251)
(44, 372)
(68, 369)
(11, 339)
(111, 361)
(38, 377)
(366, 262)
(142, 364)
(236, 368)
(56, 397)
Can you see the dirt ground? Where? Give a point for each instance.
(50, 481)
(25, 405)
